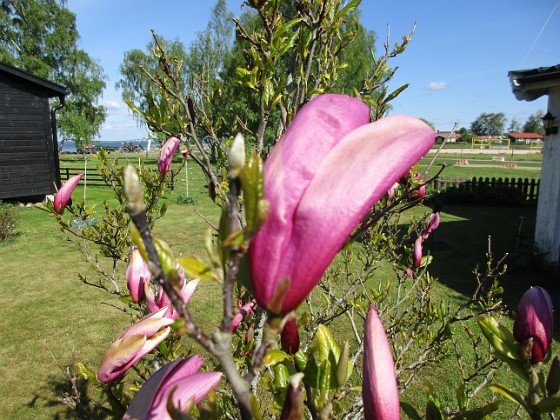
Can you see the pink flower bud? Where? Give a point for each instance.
(380, 392)
(247, 309)
(137, 275)
(137, 341)
(417, 253)
(63, 195)
(433, 224)
(534, 320)
(321, 178)
(182, 377)
(290, 337)
(166, 153)
(162, 300)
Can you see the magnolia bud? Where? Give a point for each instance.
(133, 190)
(534, 322)
(293, 406)
(236, 156)
(290, 337)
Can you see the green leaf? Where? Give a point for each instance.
(86, 372)
(256, 207)
(410, 411)
(195, 268)
(433, 412)
(396, 93)
(461, 396)
(499, 337)
(167, 261)
(548, 405)
(478, 413)
(274, 356)
(327, 344)
(509, 394)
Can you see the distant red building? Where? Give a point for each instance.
(525, 137)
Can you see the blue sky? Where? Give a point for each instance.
(456, 64)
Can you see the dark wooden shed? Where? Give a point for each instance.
(29, 165)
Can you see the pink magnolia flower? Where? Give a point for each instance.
(137, 341)
(392, 191)
(247, 309)
(417, 253)
(137, 275)
(162, 300)
(534, 320)
(289, 338)
(63, 195)
(185, 152)
(181, 376)
(380, 392)
(433, 224)
(321, 178)
(166, 154)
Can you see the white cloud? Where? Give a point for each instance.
(437, 86)
(112, 105)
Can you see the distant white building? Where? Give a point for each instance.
(528, 85)
(451, 137)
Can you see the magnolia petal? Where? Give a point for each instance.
(137, 275)
(194, 387)
(534, 320)
(63, 195)
(150, 298)
(417, 253)
(380, 392)
(433, 224)
(315, 130)
(188, 290)
(148, 326)
(119, 354)
(357, 172)
(140, 405)
(166, 154)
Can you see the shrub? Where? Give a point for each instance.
(8, 220)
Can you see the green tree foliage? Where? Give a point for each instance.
(138, 71)
(207, 54)
(491, 124)
(40, 36)
(466, 135)
(534, 123)
(514, 126)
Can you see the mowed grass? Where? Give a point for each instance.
(50, 319)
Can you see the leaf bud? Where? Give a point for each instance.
(236, 156)
(133, 190)
(342, 367)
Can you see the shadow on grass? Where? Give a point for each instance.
(461, 242)
(63, 397)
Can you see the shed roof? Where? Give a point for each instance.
(53, 89)
(526, 136)
(531, 84)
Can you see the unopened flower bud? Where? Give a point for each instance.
(236, 156)
(133, 190)
(290, 337)
(534, 322)
(293, 406)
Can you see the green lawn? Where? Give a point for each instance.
(48, 318)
